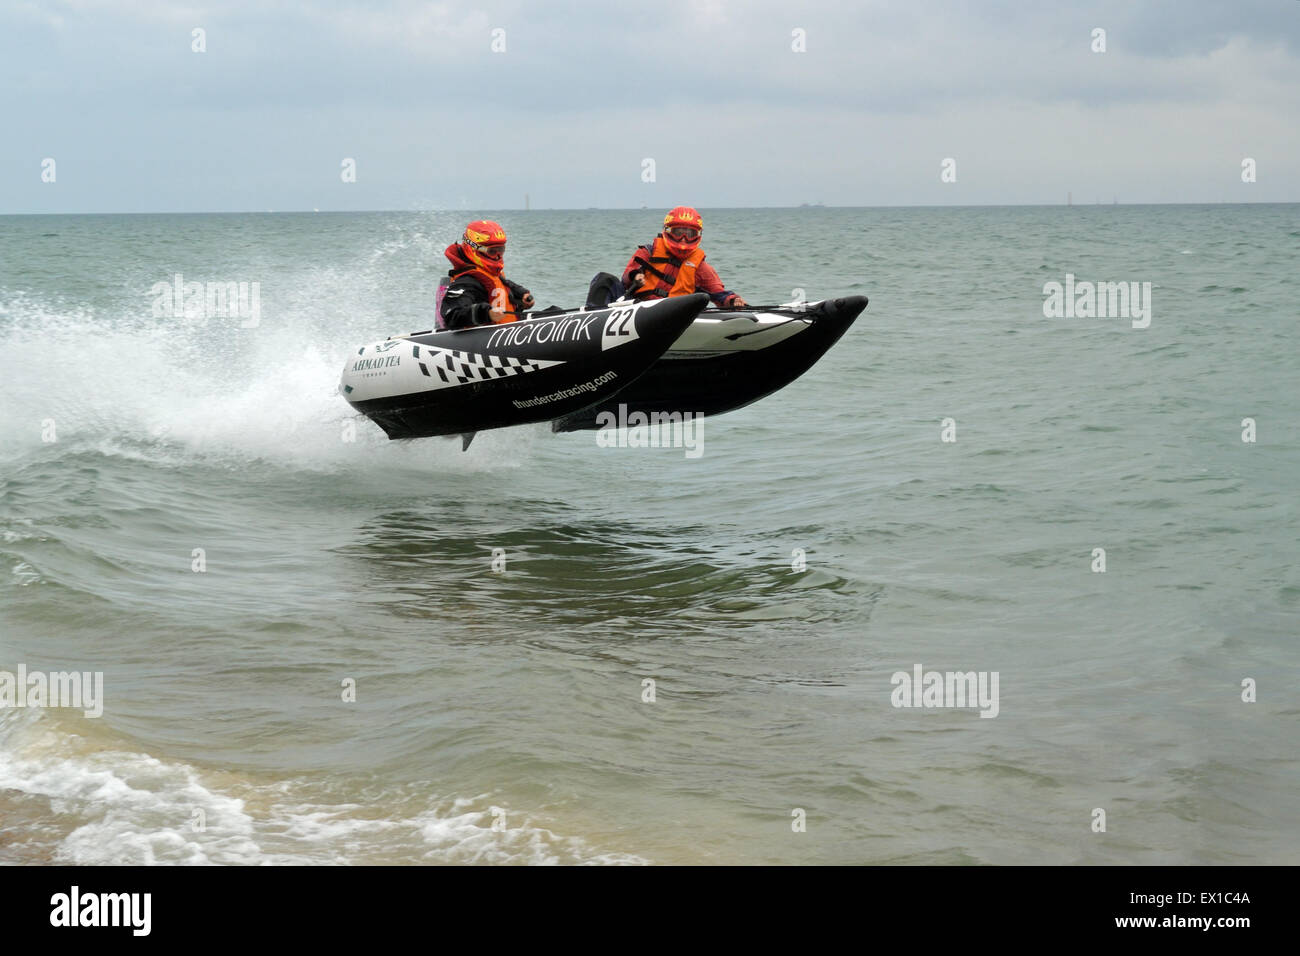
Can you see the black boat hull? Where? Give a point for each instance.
(534, 370)
(711, 381)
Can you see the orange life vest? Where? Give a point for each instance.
(666, 275)
(497, 293)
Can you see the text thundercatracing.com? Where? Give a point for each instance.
(566, 392)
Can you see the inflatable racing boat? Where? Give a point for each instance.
(567, 367)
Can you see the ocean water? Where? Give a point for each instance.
(499, 716)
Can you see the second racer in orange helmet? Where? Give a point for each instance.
(672, 264)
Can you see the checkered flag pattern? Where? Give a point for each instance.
(454, 367)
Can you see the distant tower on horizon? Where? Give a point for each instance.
(526, 206)
(1069, 199)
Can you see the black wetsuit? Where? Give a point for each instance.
(467, 301)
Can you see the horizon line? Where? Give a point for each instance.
(314, 211)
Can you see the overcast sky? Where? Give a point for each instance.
(712, 91)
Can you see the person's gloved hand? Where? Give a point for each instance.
(527, 301)
(635, 281)
(736, 302)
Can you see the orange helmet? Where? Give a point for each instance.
(484, 244)
(682, 228)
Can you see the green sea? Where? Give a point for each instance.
(308, 656)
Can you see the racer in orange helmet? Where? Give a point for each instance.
(478, 294)
(673, 264)
(682, 228)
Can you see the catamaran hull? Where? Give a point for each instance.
(495, 376)
(723, 363)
